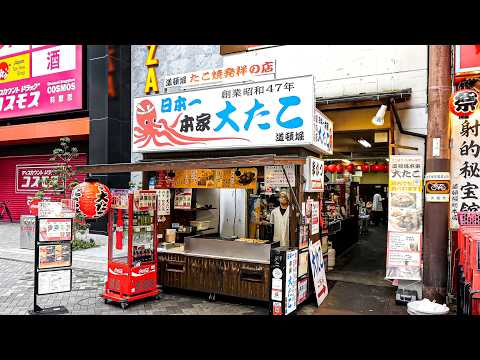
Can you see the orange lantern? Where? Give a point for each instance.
(92, 199)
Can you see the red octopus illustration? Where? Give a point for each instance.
(151, 129)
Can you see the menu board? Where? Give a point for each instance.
(52, 256)
(302, 263)
(183, 199)
(315, 217)
(57, 281)
(216, 178)
(55, 229)
(50, 209)
(405, 217)
(163, 202)
(274, 176)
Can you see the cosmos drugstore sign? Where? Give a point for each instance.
(262, 114)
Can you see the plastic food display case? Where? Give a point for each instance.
(132, 245)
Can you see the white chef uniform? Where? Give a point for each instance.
(281, 229)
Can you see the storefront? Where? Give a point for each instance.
(42, 99)
(233, 201)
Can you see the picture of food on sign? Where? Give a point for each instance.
(405, 219)
(246, 178)
(404, 200)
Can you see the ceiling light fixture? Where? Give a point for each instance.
(364, 143)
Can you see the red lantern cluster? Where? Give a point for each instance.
(92, 199)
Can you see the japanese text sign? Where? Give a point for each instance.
(274, 113)
(55, 229)
(464, 166)
(404, 256)
(29, 178)
(314, 174)
(274, 176)
(216, 178)
(437, 186)
(405, 193)
(248, 70)
(39, 79)
(323, 132)
(318, 271)
(291, 281)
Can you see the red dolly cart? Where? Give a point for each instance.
(132, 247)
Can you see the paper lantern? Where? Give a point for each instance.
(385, 168)
(350, 168)
(340, 168)
(380, 167)
(463, 102)
(365, 168)
(332, 168)
(92, 199)
(375, 168)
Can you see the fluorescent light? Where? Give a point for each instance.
(364, 143)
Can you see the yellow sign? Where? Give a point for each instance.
(216, 178)
(151, 82)
(15, 68)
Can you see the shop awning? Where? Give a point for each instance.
(202, 163)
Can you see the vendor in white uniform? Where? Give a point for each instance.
(280, 218)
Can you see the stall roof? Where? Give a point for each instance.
(202, 163)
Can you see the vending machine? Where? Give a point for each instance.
(132, 247)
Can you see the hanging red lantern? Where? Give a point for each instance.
(332, 168)
(350, 168)
(376, 168)
(463, 102)
(385, 168)
(340, 168)
(381, 167)
(365, 168)
(92, 199)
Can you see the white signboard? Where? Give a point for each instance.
(464, 166)
(274, 176)
(437, 187)
(275, 113)
(318, 271)
(323, 132)
(314, 174)
(163, 202)
(50, 282)
(50, 209)
(291, 281)
(248, 70)
(404, 256)
(315, 217)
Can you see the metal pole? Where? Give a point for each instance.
(435, 247)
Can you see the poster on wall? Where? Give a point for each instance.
(318, 271)
(302, 263)
(404, 256)
(274, 113)
(464, 166)
(315, 217)
(314, 174)
(405, 203)
(274, 176)
(291, 281)
(40, 79)
(163, 202)
(183, 199)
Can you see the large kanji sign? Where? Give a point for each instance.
(32, 178)
(40, 79)
(262, 114)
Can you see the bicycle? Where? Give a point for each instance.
(4, 209)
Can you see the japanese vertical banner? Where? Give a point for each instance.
(464, 166)
(405, 208)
